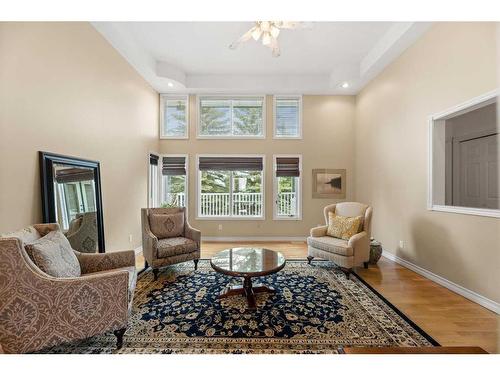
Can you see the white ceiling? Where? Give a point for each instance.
(195, 58)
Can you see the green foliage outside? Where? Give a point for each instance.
(175, 116)
(216, 119)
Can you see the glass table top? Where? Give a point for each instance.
(246, 261)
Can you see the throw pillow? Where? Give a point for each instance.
(167, 225)
(54, 256)
(343, 226)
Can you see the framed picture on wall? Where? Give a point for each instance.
(329, 183)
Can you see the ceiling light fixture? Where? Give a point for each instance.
(269, 31)
(345, 85)
(170, 84)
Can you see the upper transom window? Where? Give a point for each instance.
(231, 117)
(287, 116)
(174, 117)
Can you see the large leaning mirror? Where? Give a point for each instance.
(71, 196)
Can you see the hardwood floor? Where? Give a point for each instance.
(450, 319)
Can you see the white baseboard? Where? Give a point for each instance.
(252, 238)
(138, 250)
(469, 294)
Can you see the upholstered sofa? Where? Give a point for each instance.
(345, 253)
(161, 252)
(39, 311)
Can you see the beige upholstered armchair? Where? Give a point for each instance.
(38, 311)
(345, 253)
(178, 243)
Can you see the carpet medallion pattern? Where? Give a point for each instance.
(315, 310)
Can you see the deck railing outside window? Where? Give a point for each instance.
(244, 204)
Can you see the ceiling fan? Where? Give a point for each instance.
(269, 31)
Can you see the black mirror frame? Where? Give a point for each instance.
(47, 161)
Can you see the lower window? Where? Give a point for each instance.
(174, 181)
(287, 186)
(230, 187)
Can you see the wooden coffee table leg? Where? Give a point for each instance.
(247, 290)
(232, 291)
(260, 288)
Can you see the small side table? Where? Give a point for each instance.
(375, 251)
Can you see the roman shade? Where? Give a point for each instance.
(239, 163)
(153, 159)
(287, 167)
(174, 166)
(74, 175)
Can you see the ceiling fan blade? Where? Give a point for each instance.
(242, 39)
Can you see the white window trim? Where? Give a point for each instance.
(158, 174)
(230, 97)
(164, 97)
(275, 189)
(299, 97)
(160, 177)
(198, 189)
(462, 108)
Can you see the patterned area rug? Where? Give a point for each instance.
(315, 310)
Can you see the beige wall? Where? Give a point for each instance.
(328, 142)
(64, 89)
(450, 64)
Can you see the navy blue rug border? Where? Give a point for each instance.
(398, 311)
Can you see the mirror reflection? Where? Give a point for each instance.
(75, 200)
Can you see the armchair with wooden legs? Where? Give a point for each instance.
(345, 253)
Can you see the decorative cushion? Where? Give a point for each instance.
(167, 225)
(54, 255)
(169, 247)
(342, 226)
(331, 245)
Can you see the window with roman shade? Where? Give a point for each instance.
(287, 187)
(287, 166)
(174, 181)
(231, 117)
(174, 166)
(231, 187)
(231, 163)
(287, 116)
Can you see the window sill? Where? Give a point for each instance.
(298, 137)
(173, 138)
(487, 212)
(287, 218)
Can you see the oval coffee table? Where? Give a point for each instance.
(247, 262)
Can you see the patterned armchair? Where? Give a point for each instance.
(39, 311)
(345, 253)
(160, 252)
